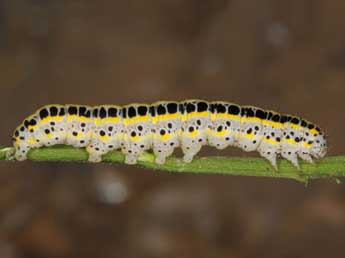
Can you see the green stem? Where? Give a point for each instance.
(330, 167)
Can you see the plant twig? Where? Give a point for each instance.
(330, 167)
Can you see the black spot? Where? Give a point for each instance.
(162, 132)
(297, 139)
(202, 106)
(234, 110)
(198, 122)
(31, 130)
(133, 134)
(110, 128)
(52, 123)
(110, 146)
(200, 140)
(191, 129)
(227, 138)
(97, 149)
(142, 110)
(102, 133)
(220, 128)
(181, 108)
(256, 128)
(82, 141)
(82, 124)
(310, 142)
(142, 146)
(287, 137)
(82, 111)
(292, 133)
(95, 112)
(249, 131)
(311, 126)
(172, 108)
(62, 111)
(26, 123)
(75, 134)
(72, 110)
(57, 138)
(295, 121)
(254, 141)
(268, 137)
(276, 118)
(259, 113)
(53, 111)
(190, 107)
(304, 123)
(124, 112)
(272, 134)
(22, 138)
(228, 123)
(22, 128)
(172, 144)
(161, 110)
(318, 129)
(170, 125)
(43, 113)
(46, 131)
(221, 109)
(152, 111)
(102, 112)
(112, 112)
(140, 127)
(278, 139)
(283, 119)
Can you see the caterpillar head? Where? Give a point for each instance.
(319, 148)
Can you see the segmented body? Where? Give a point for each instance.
(166, 125)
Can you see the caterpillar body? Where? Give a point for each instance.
(166, 125)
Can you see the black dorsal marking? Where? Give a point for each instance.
(152, 111)
(221, 109)
(234, 109)
(295, 121)
(95, 112)
(82, 111)
(259, 113)
(202, 106)
(190, 107)
(43, 113)
(142, 110)
(276, 118)
(62, 111)
(53, 111)
(72, 110)
(172, 108)
(161, 109)
(131, 112)
(112, 112)
(102, 113)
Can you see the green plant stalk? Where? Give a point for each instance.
(330, 167)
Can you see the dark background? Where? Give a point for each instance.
(283, 55)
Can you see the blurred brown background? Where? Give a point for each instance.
(283, 55)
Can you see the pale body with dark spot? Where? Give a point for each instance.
(166, 125)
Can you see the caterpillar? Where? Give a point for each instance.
(166, 125)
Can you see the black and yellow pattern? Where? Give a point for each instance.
(166, 125)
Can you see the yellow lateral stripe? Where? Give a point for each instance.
(136, 119)
(50, 118)
(226, 116)
(79, 118)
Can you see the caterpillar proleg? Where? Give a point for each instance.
(166, 125)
